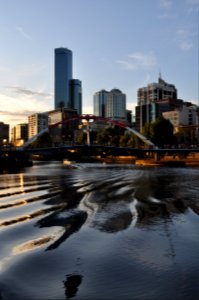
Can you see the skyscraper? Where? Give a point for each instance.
(4, 133)
(76, 95)
(116, 105)
(99, 100)
(63, 75)
(153, 100)
(110, 104)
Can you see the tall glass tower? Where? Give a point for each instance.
(99, 101)
(63, 75)
(76, 95)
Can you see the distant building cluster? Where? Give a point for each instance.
(159, 99)
(110, 104)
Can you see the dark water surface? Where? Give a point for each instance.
(99, 232)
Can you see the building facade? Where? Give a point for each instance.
(154, 92)
(153, 100)
(63, 75)
(186, 115)
(76, 95)
(99, 103)
(19, 134)
(4, 133)
(115, 107)
(36, 123)
(68, 91)
(110, 104)
(63, 132)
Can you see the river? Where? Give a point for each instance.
(99, 231)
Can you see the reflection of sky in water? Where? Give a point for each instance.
(107, 231)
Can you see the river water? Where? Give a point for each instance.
(99, 232)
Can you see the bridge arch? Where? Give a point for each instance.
(88, 117)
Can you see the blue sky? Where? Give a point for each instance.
(116, 44)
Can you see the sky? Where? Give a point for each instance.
(122, 44)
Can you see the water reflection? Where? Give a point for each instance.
(71, 224)
(134, 230)
(72, 284)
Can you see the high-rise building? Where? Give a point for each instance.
(76, 95)
(99, 101)
(36, 123)
(66, 128)
(68, 91)
(154, 92)
(153, 100)
(4, 133)
(19, 134)
(63, 75)
(115, 107)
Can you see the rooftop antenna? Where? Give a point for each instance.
(160, 75)
(160, 80)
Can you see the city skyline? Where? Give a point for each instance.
(115, 44)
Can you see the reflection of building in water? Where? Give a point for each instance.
(71, 224)
(109, 213)
(72, 284)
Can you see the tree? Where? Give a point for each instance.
(109, 136)
(161, 132)
(42, 141)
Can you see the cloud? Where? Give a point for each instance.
(166, 10)
(184, 39)
(23, 33)
(15, 108)
(16, 117)
(138, 60)
(21, 90)
(165, 4)
(193, 6)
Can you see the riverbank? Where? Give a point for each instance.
(169, 161)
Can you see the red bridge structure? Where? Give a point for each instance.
(87, 118)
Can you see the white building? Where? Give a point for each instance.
(19, 134)
(36, 123)
(185, 116)
(115, 107)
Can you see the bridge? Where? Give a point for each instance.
(87, 118)
(22, 155)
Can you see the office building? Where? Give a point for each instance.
(115, 107)
(4, 134)
(19, 134)
(36, 123)
(154, 92)
(76, 95)
(65, 130)
(153, 100)
(99, 103)
(63, 75)
(183, 117)
(68, 91)
(110, 104)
